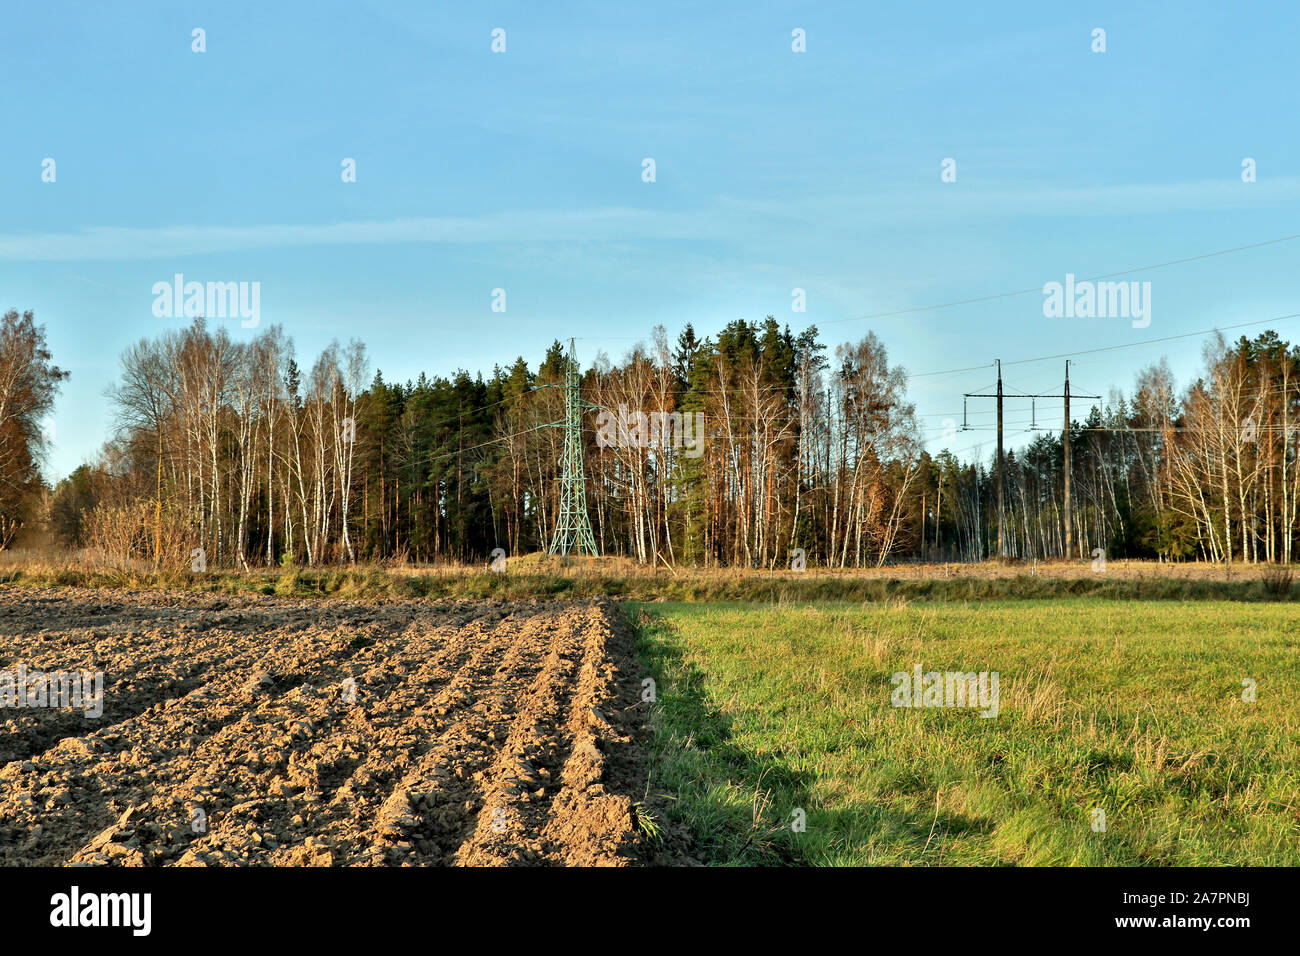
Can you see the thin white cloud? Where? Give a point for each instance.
(969, 197)
(728, 219)
(126, 243)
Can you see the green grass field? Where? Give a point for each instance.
(1132, 707)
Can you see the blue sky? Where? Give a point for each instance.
(774, 170)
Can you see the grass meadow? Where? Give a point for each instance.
(1134, 708)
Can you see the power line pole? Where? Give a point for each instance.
(1065, 445)
(1066, 440)
(573, 529)
(1002, 519)
(1002, 546)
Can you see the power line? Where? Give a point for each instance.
(1111, 348)
(1061, 355)
(1166, 338)
(494, 441)
(1108, 275)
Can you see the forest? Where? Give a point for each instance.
(235, 448)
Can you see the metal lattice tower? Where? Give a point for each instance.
(573, 530)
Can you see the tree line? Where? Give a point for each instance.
(234, 450)
(1209, 472)
(29, 384)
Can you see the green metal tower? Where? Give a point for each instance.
(573, 530)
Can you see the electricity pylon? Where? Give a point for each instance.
(573, 529)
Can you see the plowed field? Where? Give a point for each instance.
(266, 731)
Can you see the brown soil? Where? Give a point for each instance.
(478, 733)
